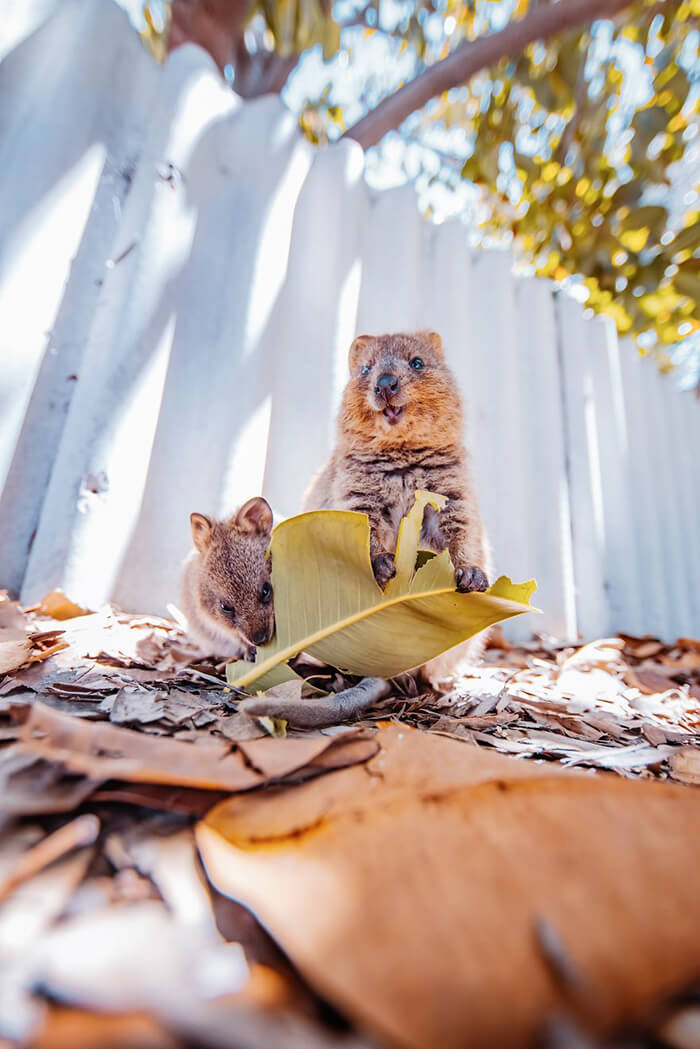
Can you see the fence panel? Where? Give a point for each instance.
(181, 275)
(546, 513)
(575, 334)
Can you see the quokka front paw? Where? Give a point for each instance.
(384, 568)
(469, 578)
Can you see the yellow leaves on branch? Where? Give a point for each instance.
(575, 194)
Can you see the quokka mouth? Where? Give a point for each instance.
(392, 413)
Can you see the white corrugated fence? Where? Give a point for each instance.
(181, 275)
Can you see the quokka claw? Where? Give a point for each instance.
(384, 568)
(471, 578)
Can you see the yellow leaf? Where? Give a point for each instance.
(274, 726)
(688, 284)
(58, 606)
(634, 239)
(328, 604)
(688, 239)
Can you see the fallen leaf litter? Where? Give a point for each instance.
(115, 736)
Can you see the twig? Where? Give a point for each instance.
(472, 56)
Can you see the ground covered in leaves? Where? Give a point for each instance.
(116, 738)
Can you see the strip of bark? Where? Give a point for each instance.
(319, 713)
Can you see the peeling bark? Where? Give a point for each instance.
(319, 713)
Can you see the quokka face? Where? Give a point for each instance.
(400, 393)
(234, 584)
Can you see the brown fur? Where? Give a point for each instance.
(379, 462)
(230, 567)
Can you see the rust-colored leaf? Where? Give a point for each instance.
(57, 605)
(413, 892)
(104, 751)
(685, 765)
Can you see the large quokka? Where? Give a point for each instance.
(400, 428)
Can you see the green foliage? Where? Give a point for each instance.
(295, 26)
(287, 27)
(583, 188)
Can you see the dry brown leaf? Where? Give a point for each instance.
(134, 705)
(40, 654)
(644, 649)
(30, 786)
(649, 681)
(496, 640)
(691, 643)
(76, 834)
(271, 761)
(355, 749)
(65, 1028)
(239, 726)
(413, 887)
(164, 798)
(685, 765)
(181, 706)
(57, 606)
(11, 615)
(104, 751)
(15, 647)
(689, 661)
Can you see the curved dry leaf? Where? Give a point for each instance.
(412, 896)
(328, 603)
(104, 751)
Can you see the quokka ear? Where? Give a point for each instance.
(433, 340)
(358, 345)
(201, 531)
(254, 517)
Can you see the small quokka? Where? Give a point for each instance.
(400, 429)
(226, 582)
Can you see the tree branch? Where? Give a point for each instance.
(469, 58)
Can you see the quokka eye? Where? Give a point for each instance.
(266, 593)
(365, 369)
(228, 610)
(416, 363)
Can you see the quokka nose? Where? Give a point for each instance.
(387, 385)
(262, 636)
